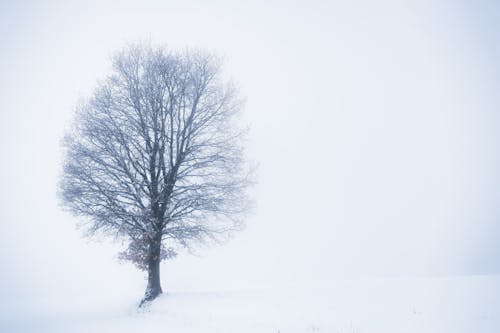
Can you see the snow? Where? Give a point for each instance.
(446, 304)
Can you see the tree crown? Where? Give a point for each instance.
(156, 152)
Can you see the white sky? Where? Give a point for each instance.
(375, 127)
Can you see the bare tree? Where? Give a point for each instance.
(155, 156)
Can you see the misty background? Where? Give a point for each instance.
(375, 127)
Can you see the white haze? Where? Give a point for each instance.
(375, 126)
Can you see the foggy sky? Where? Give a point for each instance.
(375, 126)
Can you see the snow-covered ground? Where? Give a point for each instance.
(451, 304)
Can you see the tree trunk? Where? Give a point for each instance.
(153, 288)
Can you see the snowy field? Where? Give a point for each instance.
(459, 304)
(376, 129)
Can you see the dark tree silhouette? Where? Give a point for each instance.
(155, 156)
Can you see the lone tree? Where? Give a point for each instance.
(155, 156)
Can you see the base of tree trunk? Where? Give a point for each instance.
(150, 295)
(153, 289)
